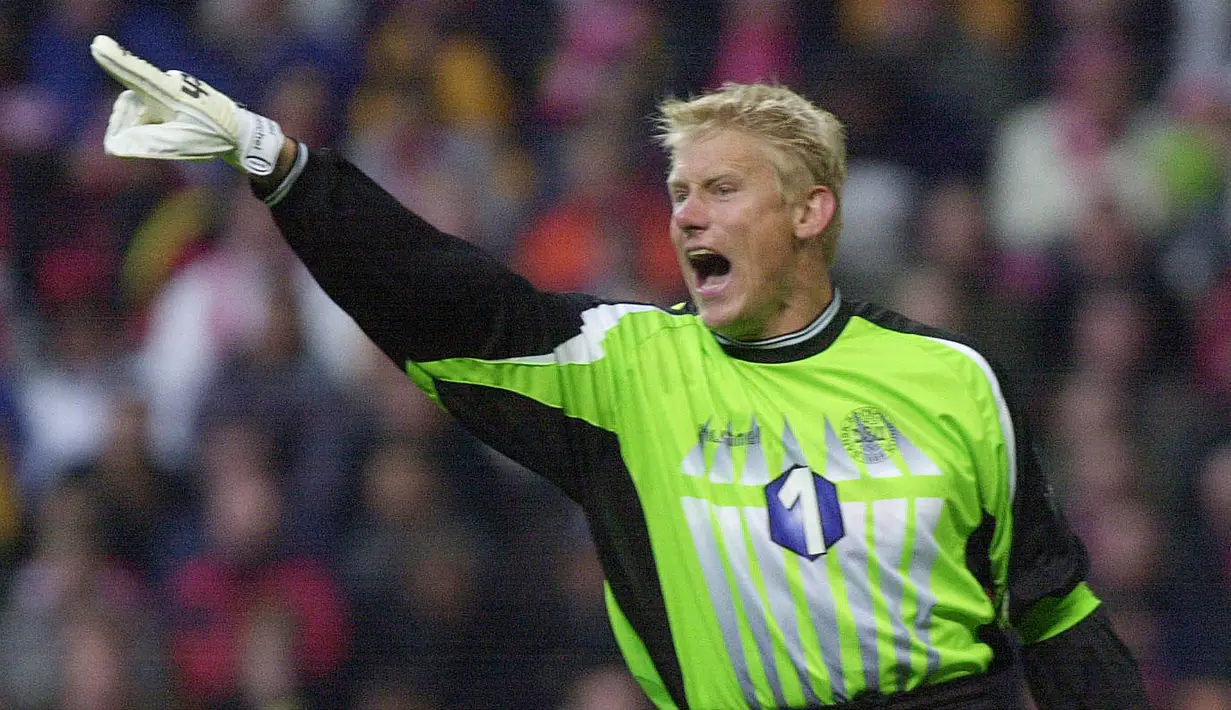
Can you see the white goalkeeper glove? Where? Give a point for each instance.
(175, 116)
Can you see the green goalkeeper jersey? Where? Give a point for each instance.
(788, 523)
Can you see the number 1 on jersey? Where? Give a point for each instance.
(804, 515)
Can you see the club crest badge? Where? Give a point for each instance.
(867, 435)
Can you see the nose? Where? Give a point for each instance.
(690, 213)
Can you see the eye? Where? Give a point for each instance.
(724, 190)
(678, 196)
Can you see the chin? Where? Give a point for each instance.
(725, 325)
(712, 320)
(723, 313)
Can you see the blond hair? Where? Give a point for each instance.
(807, 145)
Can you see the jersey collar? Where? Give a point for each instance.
(805, 342)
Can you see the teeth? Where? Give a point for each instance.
(701, 252)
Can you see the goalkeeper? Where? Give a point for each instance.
(798, 500)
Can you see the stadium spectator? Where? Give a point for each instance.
(80, 629)
(251, 621)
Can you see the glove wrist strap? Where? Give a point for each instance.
(260, 142)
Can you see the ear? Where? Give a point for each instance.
(813, 213)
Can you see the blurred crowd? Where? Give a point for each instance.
(215, 493)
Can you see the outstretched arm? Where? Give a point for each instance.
(481, 340)
(418, 293)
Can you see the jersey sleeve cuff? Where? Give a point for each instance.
(1054, 615)
(301, 161)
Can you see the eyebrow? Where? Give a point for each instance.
(674, 182)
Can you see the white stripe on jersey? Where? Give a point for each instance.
(587, 346)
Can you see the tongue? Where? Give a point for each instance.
(708, 286)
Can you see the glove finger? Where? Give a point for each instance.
(125, 113)
(173, 89)
(131, 109)
(134, 72)
(199, 139)
(175, 140)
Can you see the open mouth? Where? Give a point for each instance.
(709, 269)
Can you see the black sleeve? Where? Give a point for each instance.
(418, 293)
(1048, 559)
(1086, 667)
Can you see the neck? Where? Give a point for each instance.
(809, 295)
(789, 329)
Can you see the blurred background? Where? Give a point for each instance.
(214, 493)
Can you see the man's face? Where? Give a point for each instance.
(734, 234)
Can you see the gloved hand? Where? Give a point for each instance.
(175, 116)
